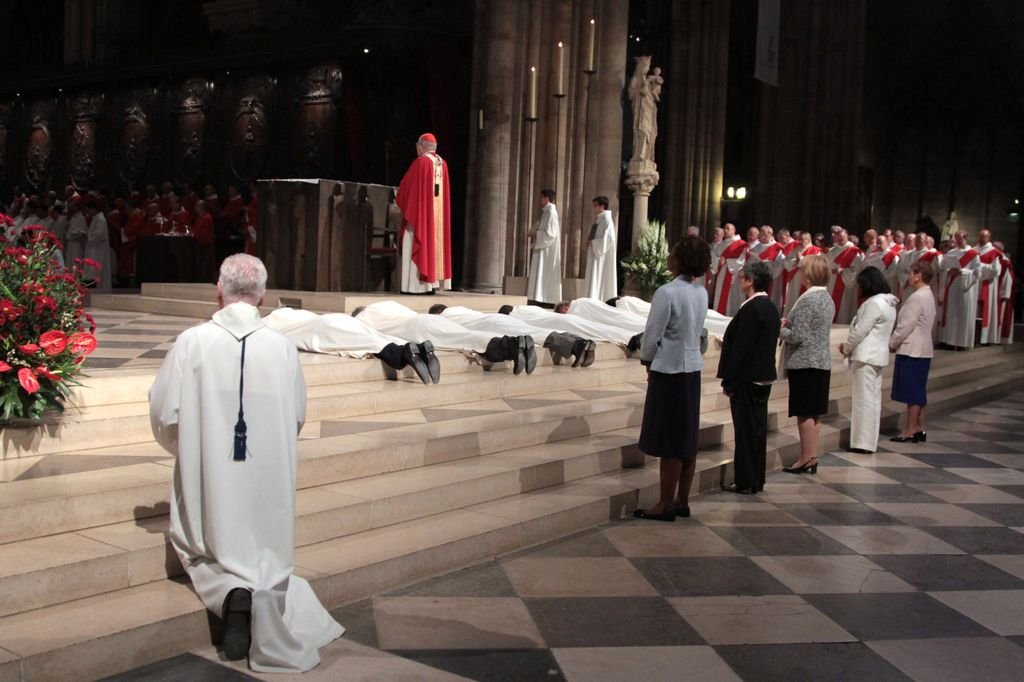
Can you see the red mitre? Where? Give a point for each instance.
(428, 137)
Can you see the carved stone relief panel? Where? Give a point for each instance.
(249, 139)
(38, 148)
(84, 111)
(189, 128)
(133, 143)
(321, 89)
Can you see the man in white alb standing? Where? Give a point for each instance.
(545, 282)
(600, 281)
(958, 291)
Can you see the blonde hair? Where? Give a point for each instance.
(816, 270)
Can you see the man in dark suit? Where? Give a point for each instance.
(747, 370)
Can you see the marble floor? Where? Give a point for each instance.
(906, 564)
(129, 339)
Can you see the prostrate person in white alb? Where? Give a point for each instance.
(600, 280)
(958, 293)
(341, 334)
(572, 324)
(395, 319)
(228, 403)
(545, 281)
(599, 311)
(715, 323)
(563, 346)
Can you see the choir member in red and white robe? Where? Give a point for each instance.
(424, 197)
(885, 260)
(988, 289)
(151, 199)
(961, 272)
(770, 252)
(181, 220)
(731, 258)
(728, 235)
(794, 278)
(234, 212)
(166, 200)
(134, 226)
(189, 199)
(1007, 297)
(845, 260)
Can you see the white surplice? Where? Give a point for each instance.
(959, 295)
(600, 280)
(571, 324)
(334, 333)
(97, 248)
(75, 238)
(392, 318)
(599, 311)
(715, 322)
(1006, 299)
(410, 274)
(888, 263)
(634, 305)
(233, 523)
(727, 275)
(545, 281)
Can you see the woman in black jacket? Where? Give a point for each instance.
(747, 370)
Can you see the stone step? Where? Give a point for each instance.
(120, 555)
(57, 504)
(104, 634)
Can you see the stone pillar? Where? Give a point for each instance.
(490, 170)
(641, 179)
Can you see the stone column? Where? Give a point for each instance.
(641, 179)
(490, 171)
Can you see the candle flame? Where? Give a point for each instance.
(559, 43)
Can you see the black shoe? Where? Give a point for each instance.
(644, 514)
(809, 468)
(683, 512)
(433, 364)
(860, 451)
(516, 352)
(902, 439)
(237, 616)
(530, 351)
(411, 355)
(920, 437)
(589, 355)
(579, 349)
(733, 488)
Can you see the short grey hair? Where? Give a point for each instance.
(427, 146)
(242, 278)
(759, 274)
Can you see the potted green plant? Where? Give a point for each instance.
(647, 266)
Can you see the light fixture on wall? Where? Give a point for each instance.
(735, 193)
(741, 193)
(730, 193)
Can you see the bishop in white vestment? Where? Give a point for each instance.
(545, 281)
(232, 519)
(600, 281)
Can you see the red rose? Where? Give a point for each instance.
(4, 367)
(47, 374)
(28, 380)
(6, 219)
(82, 343)
(28, 349)
(53, 342)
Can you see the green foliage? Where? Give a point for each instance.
(648, 264)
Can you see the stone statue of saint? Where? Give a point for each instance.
(645, 93)
(950, 227)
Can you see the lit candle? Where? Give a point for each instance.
(480, 119)
(559, 84)
(531, 109)
(588, 57)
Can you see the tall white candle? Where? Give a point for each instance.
(588, 57)
(531, 109)
(559, 82)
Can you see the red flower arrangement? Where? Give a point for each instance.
(44, 332)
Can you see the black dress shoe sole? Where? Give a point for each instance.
(531, 354)
(643, 514)
(237, 618)
(412, 357)
(433, 364)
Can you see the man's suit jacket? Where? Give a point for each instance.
(748, 347)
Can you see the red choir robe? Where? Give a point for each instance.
(736, 250)
(180, 219)
(188, 202)
(164, 202)
(115, 221)
(431, 228)
(133, 229)
(988, 297)
(234, 212)
(203, 230)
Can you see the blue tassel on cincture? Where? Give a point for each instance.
(240, 439)
(240, 428)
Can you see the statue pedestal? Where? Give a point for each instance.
(641, 177)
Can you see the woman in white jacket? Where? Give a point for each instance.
(867, 348)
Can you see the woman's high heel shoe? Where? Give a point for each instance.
(920, 437)
(809, 468)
